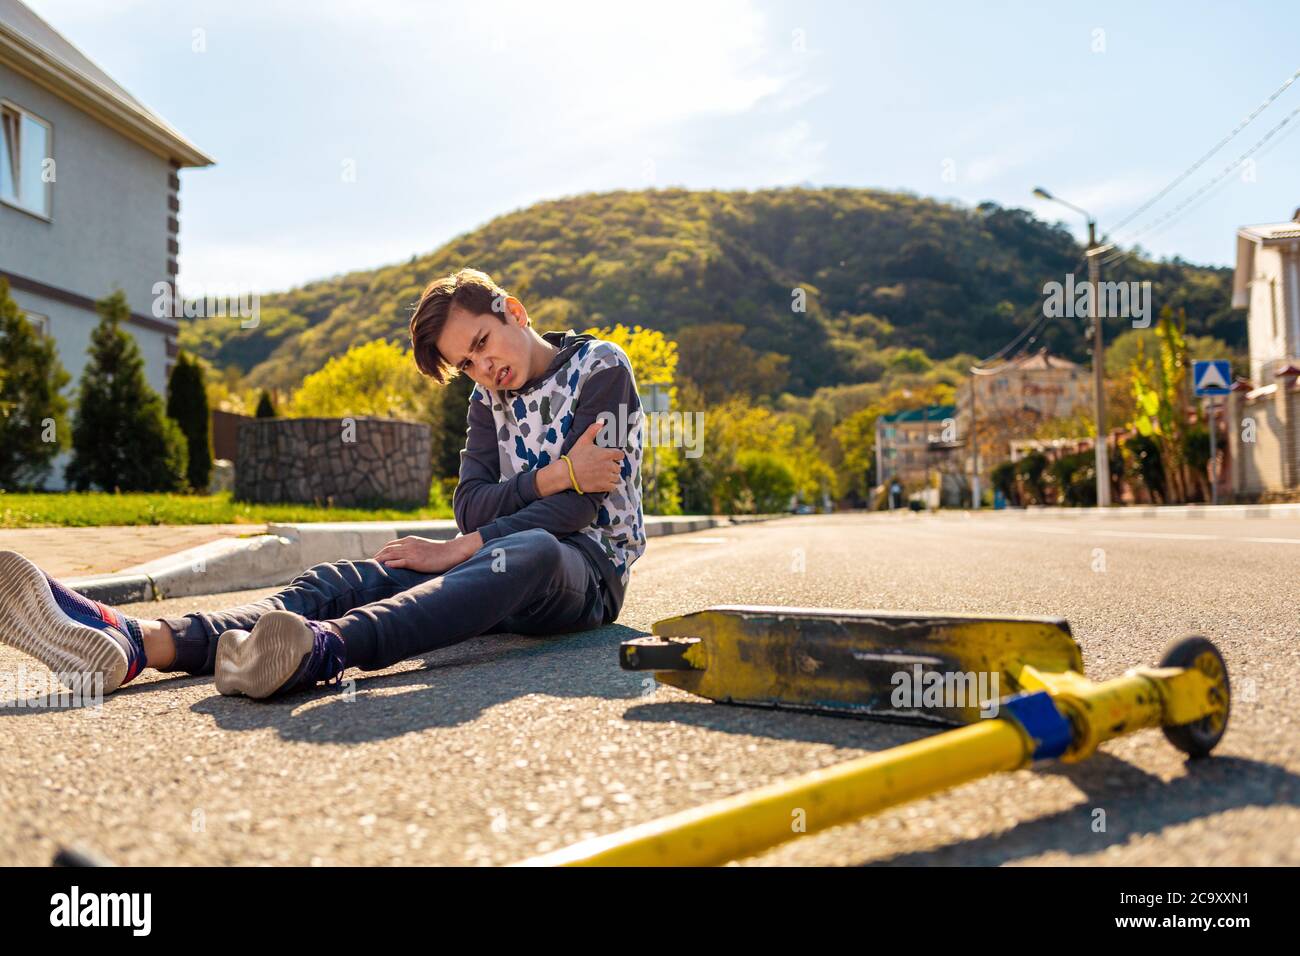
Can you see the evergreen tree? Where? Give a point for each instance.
(33, 422)
(187, 405)
(122, 439)
(265, 407)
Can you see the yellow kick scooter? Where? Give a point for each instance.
(1013, 686)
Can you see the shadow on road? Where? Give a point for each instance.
(1136, 804)
(852, 732)
(455, 685)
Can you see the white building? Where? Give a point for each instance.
(1263, 426)
(1266, 282)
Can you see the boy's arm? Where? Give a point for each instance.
(480, 495)
(567, 511)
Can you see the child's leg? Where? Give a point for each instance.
(530, 580)
(321, 592)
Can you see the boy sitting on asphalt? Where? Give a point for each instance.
(550, 523)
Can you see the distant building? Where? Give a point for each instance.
(1010, 404)
(1263, 424)
(914, 442)
(88, 195)
(1035, 387)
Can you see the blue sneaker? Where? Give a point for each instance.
(79, 639)
(284, 652)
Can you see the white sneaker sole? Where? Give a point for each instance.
(257, 664)
(32, 621)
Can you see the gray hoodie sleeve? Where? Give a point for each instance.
(568, 511)
(480, 494)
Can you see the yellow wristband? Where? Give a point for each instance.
(572, 477)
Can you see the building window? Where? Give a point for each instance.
(41, 323)
(25, 174)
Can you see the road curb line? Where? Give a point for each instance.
(266, 560)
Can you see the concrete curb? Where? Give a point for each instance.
(266, 560)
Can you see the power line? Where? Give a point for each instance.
(1217, 146)
(1032, 329)
(1028, 334)
(1223, 174)
(1227, 170)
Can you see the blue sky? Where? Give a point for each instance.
(355, 134)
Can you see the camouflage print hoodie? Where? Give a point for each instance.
(514, 432)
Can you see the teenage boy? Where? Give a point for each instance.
(548, 505)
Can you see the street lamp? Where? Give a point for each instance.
(1098, 356)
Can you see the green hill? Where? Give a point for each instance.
(882, 272)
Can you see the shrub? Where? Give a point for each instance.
(33, 424)
(1004, 480)
(122, 439)
(187, 406)
(1143, 462)
(1075, 478)
(265, 407)
(768, 480)
(1030, 471)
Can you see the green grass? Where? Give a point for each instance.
(91, 509)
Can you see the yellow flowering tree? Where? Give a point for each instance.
(654, 359)
(378, 378)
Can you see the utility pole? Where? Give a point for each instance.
(1098, 367)
(974, 445)
(1212, 417)
(925, 420)
(1098, 353)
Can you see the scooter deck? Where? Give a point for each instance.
(852, 662)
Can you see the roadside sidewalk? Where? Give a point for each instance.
(84, 552)
(120, 565)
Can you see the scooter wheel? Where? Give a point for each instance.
(1198, 738)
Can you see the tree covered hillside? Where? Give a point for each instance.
(882, 275)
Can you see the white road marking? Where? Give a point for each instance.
(1149, 535)
(1156, 534)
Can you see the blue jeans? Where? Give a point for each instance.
(528, 582)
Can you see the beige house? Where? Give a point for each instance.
(1263, 423)
(1008, 405)
(1036, 387)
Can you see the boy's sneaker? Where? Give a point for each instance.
(283, 652)
(77, 638)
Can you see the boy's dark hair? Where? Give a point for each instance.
(468, 289)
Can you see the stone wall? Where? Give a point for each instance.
(344, 462)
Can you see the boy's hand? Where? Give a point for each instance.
(422, 554)
(597, 469)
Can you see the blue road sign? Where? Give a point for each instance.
(1213, 377)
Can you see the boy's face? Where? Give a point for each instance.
(494, 354)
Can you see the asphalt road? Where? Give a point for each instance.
(502, 747)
